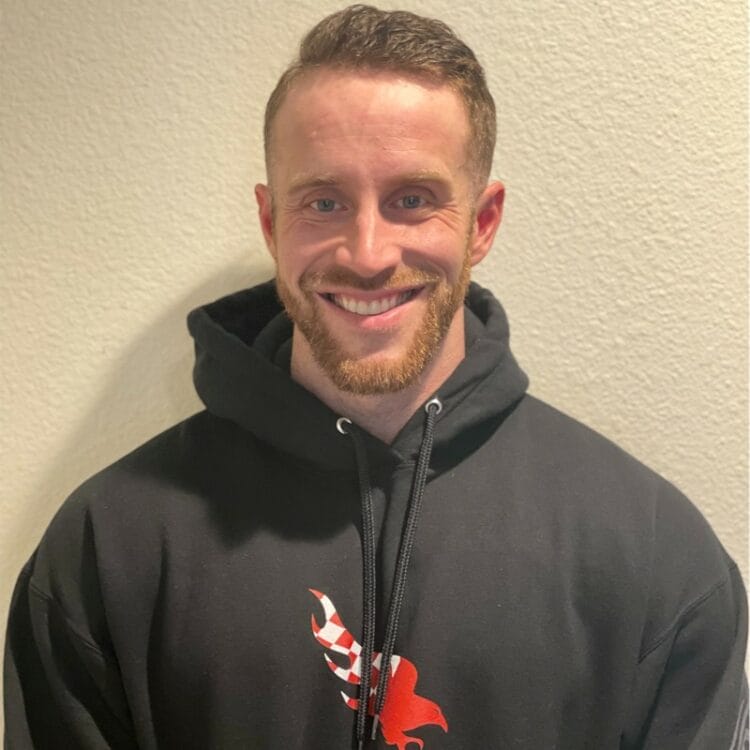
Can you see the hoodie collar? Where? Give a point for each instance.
(241, 373)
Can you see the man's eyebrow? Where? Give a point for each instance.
(309, 181)
(421, 175)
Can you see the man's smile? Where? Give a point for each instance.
(360, 304)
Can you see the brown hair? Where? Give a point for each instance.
(366, 38)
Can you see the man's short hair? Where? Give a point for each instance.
(365, 38)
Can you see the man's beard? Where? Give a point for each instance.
(388, 375)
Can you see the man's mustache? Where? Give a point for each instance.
(387, 279)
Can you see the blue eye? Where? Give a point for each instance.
(411, 201)
(324, 205)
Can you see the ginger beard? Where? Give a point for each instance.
(376, 375)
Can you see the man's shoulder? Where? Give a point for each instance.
(604, 480)
(577, 450)
(168, 455)
(129, 509)
(623, 516)
(144, 483)
(623, 497)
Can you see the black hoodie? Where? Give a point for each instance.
(206, 591)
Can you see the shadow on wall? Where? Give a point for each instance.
(148, 389)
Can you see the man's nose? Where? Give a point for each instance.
(372, 245)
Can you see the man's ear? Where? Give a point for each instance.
(489, 214)
(265, 214)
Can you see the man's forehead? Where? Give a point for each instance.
(341, 125)
(328, 97)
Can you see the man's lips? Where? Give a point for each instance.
(363, 303)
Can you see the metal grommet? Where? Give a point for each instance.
(340, 422)
(434, 402)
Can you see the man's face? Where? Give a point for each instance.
(370, 217)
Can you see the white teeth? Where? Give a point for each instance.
(376, 307)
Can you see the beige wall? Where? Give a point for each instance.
(131, 142)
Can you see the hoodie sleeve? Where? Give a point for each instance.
(61, 688)
(691, 691)
(701, 700)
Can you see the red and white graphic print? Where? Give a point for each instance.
(404, 710)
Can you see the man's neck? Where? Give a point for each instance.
(382, 415)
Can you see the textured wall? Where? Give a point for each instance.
(131, 142)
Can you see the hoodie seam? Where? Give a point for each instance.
(73, 629)
(684, 613)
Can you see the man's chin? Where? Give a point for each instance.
(372, 376)
(375, 365)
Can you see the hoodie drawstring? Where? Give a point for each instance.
(369, 583)
(408, 534)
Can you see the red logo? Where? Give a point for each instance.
(404, 710)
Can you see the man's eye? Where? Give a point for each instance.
(411, 201)
(325, 205)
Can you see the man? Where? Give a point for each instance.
(371, 506)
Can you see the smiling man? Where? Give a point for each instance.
(374, 215)
(373, 536)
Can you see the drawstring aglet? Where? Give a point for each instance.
(375, 722)
(361, 745)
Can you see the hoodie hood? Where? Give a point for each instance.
(243, 348)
